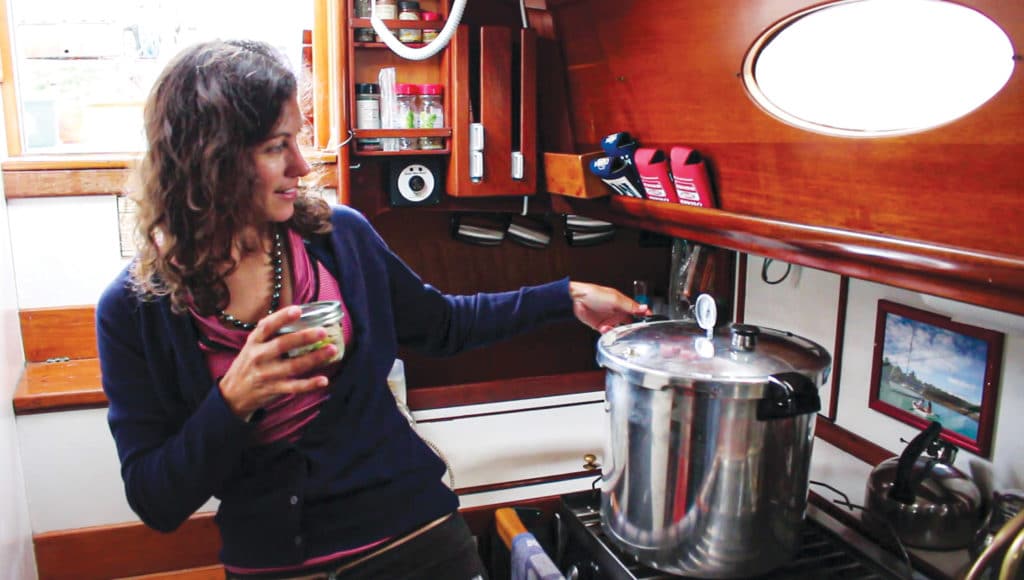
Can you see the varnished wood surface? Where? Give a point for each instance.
(129, 549)
(991, 279)
(58, 332)
(851, 443)
(62, 386)
(670, 77)
(214, 572)
(132, 550)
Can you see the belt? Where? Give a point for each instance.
(333, 574)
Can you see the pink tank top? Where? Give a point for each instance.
(285, 417)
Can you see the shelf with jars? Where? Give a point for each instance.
(418, 124)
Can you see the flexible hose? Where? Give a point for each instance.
(435, 46)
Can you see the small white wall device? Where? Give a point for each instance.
(414, 181)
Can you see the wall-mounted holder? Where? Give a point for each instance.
(569, 174)
(493, 152)
(414, 180)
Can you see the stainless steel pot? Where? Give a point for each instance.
(707, 466)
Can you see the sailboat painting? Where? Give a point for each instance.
(928, 367)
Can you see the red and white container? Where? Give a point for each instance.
(653, 167)
(690, 177)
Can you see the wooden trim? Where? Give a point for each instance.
(976, 277)
(837, 349)
(8, 88)
(98, 175)
(132, 549)
(63, 386)
(126, 549)
(505, 390)
(53, 182)
(58, 332)
(528, 482)
(850, 442)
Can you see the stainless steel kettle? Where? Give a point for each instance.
(922, 498)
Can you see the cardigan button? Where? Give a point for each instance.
(298, 540)
(294, 500)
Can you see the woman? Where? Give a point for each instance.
(316, 469)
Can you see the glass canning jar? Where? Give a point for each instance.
(407, 113)
(431, 114)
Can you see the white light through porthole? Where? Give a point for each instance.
(863, 68)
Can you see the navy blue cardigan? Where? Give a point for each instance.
(358, 473)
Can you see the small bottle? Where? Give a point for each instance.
(368, 114)
(406, 114)
(431, 114)
(409, 10)
(429, 34)
(640, 292)
(362, 10)
(386, 10)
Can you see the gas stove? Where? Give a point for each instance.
(828, 549)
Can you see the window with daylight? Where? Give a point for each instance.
(870, 68)
(82, 70)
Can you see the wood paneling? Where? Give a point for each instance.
(60, 386)
(670, 77)
(851, 443)
(126, 550)
(191, 552)
(58, 332)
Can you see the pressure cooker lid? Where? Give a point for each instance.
(655, 353)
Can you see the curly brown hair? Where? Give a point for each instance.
(194, 185)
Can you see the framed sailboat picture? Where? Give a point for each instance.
(926, 367)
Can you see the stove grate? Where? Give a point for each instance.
(822, 553)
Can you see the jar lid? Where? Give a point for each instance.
(367, 88)
(406, 89)
(431, 89)
(674, 352)
(428, 15)
(315, 314)
(409, 5)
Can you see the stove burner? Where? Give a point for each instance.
(584, 552)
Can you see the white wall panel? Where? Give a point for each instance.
(804, 303)
(17, 561)
(73, 451)
(66, 249)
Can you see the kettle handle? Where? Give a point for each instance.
(902, 487)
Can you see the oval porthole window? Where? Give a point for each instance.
(868, 68)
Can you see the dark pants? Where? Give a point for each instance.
(445, 552)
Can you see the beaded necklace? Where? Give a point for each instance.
(277, 264)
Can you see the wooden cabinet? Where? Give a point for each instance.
(936, 212)
(366, 59)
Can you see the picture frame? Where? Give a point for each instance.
(927, 367)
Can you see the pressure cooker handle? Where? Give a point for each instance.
(788, 395)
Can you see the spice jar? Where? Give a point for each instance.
(409, 10)
(328, 314)
(386, 10)
(368, 114)
(429, 34)
(406, 113)
(431, 114)
(362, 10)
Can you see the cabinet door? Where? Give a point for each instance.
(496, 95)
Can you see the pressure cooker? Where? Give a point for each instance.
(709, 445)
